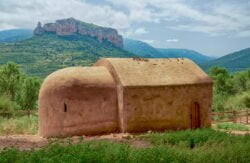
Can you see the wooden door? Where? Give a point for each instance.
(195, 116)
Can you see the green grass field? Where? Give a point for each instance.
(204, 145)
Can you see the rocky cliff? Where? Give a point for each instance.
(72, 26)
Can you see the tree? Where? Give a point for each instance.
(223, 81)
(242, 81)
(10, 80)
(7, 107)
(29, 94)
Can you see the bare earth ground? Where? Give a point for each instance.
(25, 142)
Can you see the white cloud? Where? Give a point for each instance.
(27, 13)
(140, 31)
(133, 32)
(243, 34)
(213, 18)
(172, 40)
(148, 41)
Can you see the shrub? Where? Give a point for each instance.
(238, 101)
(219, 102)
(241, 81)
(246, 100)
(29, 93)
(10, 80)
(7, 107)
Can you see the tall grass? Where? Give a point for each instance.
(238, 101)
(184, 146)
(232, 126)
(19, 125)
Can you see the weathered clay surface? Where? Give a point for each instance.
(78, 101)
(72, 26)
(165, 107)
(157, 94)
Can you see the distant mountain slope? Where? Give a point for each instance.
(140, 48)
(143, 49)
(41, 55)
(14, 35)
(184, 53)
(236, 61)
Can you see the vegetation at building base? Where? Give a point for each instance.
(203, 145)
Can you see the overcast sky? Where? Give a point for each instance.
(212, 27)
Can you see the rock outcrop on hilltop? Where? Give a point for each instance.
(39, 30)
(72, 26)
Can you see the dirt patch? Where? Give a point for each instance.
(238, 132)
(141, 144)
(22, 141)
(26, 142)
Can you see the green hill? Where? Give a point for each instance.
(140, 48)
(14, 35)
(143, 49)
(185, 53)
(236, 61)
(41, 55)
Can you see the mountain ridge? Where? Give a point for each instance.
(143, 49)
(71, 26)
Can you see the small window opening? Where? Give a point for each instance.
(65, 107)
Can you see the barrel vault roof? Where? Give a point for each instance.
(154, 72)
(79, 76)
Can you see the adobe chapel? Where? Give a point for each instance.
(125, 95)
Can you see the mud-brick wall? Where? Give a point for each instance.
(78, 101)
(89, 111)
(164, 107)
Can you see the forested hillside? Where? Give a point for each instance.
(41, 55)
(233, 62)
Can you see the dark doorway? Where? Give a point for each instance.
(195, 116)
